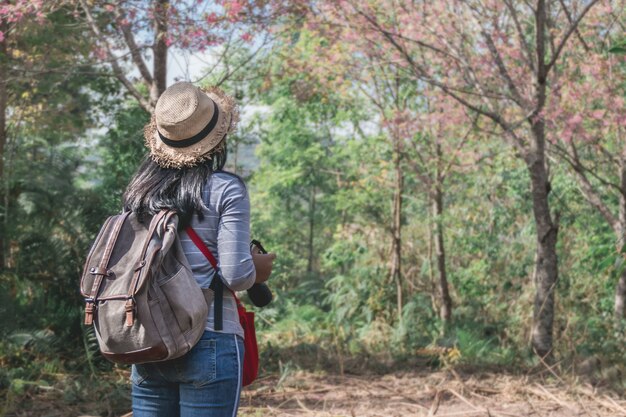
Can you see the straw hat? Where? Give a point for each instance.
(189, 124)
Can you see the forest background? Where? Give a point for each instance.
(444, 182)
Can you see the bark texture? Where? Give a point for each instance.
(396, 230)
(311, 251)
(160, 51)
(619, 308)
(445, 310)
(620, 297)
(3, 141)
(546, 266)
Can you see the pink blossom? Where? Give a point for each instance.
(211, 18)
(197, 34)
(574, 121)
(234, 8)
(598, 114)
(567, 135)
(100, 53)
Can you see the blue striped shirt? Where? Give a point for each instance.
(225, 229)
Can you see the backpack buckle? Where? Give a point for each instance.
(90, 307)
(130, 312)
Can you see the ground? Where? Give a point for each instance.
(441, 393)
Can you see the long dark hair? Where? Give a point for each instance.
(154, 188)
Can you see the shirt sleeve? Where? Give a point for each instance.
(233, 238)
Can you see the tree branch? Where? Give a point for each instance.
(117, 70)
(497, 58)
(573, 160)
(159, 49)
(242, 64)
(524, 46)
(588, 191)
(510, 136)
(446, 170)
(495, 54)
(569, 19)
(569, 32)
(135, 52)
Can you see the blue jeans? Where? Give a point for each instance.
(205, 382)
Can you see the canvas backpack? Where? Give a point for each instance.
(140, 293)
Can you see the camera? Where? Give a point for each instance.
(259, 294)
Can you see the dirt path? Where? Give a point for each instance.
(441, 394)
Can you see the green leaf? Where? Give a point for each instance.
(618, 48)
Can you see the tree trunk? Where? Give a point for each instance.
(620, 297)
(309, 267)
(546, 268)
(160, 51)
(3, 141)
(619, 308)
(445, 311)
(396, 230)
(431, 271)
(233, 155)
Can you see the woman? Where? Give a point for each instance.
(184, 172)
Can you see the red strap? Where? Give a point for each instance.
(203, 248)
(207, 253)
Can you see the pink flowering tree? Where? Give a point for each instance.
(587, 130)
(499, 59)
(12, 13)
(135, 38)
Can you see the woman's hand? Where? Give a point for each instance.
(263, 264)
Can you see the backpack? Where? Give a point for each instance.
(140, 293)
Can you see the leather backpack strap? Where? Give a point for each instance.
(130, 298)
(216, 283)
(101, 271)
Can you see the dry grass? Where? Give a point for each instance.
(411, 393)
(442, 394)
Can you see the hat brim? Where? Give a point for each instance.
(171, 157)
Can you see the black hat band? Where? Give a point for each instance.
(195, 138)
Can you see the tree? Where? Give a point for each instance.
(37, 84)
(295, 181)
(498, 59)
(437, 149)
(11, 16)
(128, 35)
(588, 133)
(51, 99)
